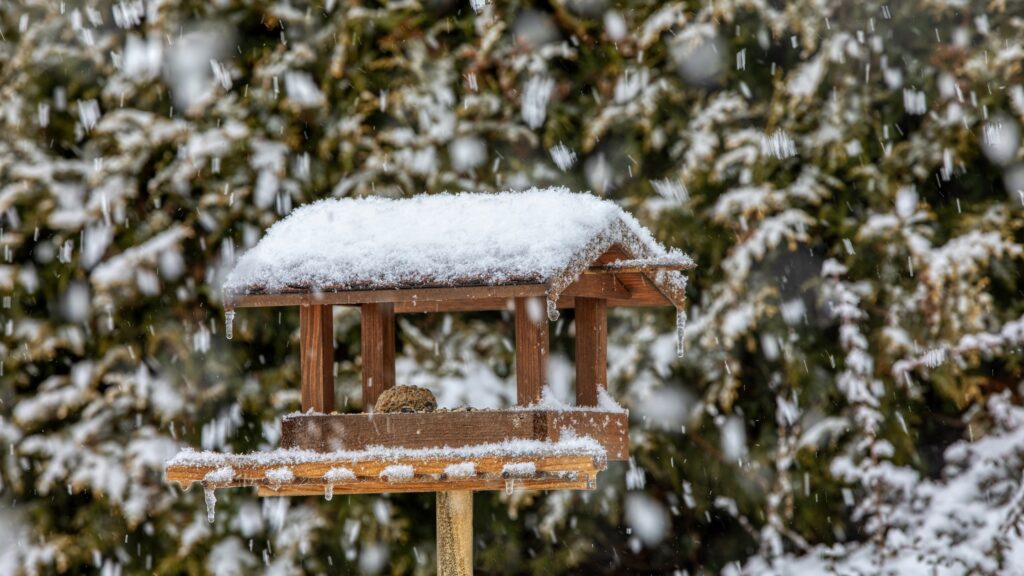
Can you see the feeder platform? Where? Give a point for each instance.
(569, 464)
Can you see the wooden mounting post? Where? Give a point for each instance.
(591, 349)
(316, 340)
(378, 342)
(455, 533)
(531, 350)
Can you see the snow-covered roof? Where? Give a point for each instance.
(540, 236)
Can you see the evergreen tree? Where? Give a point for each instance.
(848, 176)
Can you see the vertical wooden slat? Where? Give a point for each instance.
(455, 533)
(591, 349)
(531, 349)
(378, 342)
(316, 340)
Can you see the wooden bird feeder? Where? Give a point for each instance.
(531, 253)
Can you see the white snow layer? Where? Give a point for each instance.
(582, 445)
(220, 475)
(460, 470)
(519, 469)
(398, 472)
(339, 474)
(433, 240)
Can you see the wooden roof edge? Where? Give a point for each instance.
(560, 282)
(397, 295)
(667, 278)
(662, 270)
(671, 284)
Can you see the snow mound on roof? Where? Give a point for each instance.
(431, 240)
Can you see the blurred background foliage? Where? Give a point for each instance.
(848, 176)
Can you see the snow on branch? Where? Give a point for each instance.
(982, 343)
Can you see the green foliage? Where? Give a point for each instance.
(118, 229)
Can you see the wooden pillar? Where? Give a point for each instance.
(455, 533)
(531, 350)
(378, 343)
(591, 349)
(316, 340)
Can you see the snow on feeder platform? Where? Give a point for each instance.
(532, 253)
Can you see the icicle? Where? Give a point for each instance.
(211, 503)
(509, 486)
(680, 329)
(552, 310)
(229, 323)
(328, 492)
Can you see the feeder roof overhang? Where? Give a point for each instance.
(540, 240)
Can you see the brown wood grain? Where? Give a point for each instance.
(597, 286)
(641, 300)
(455, 533)
(378, 346)
(458, 305)
(591, 349)
(632, 290)
(474, 484)
(610, 429)
(407, 295)
(316, 341)
(642, 291)
(326, 433)
(531, 349)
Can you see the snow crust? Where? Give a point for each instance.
(220, 476)
(460, 470)
(432, 240)
(279, 476)
(339, 474)
(519, 469)
(674, 257)
(583, 445)
(398, 472)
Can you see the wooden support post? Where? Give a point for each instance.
(591, 349)
(455, 533)
(531, 350)
(316, 340)
(378, 342)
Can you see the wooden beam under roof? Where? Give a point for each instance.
(629, 289)
(405, 296)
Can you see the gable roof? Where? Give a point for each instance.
(540, 236)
